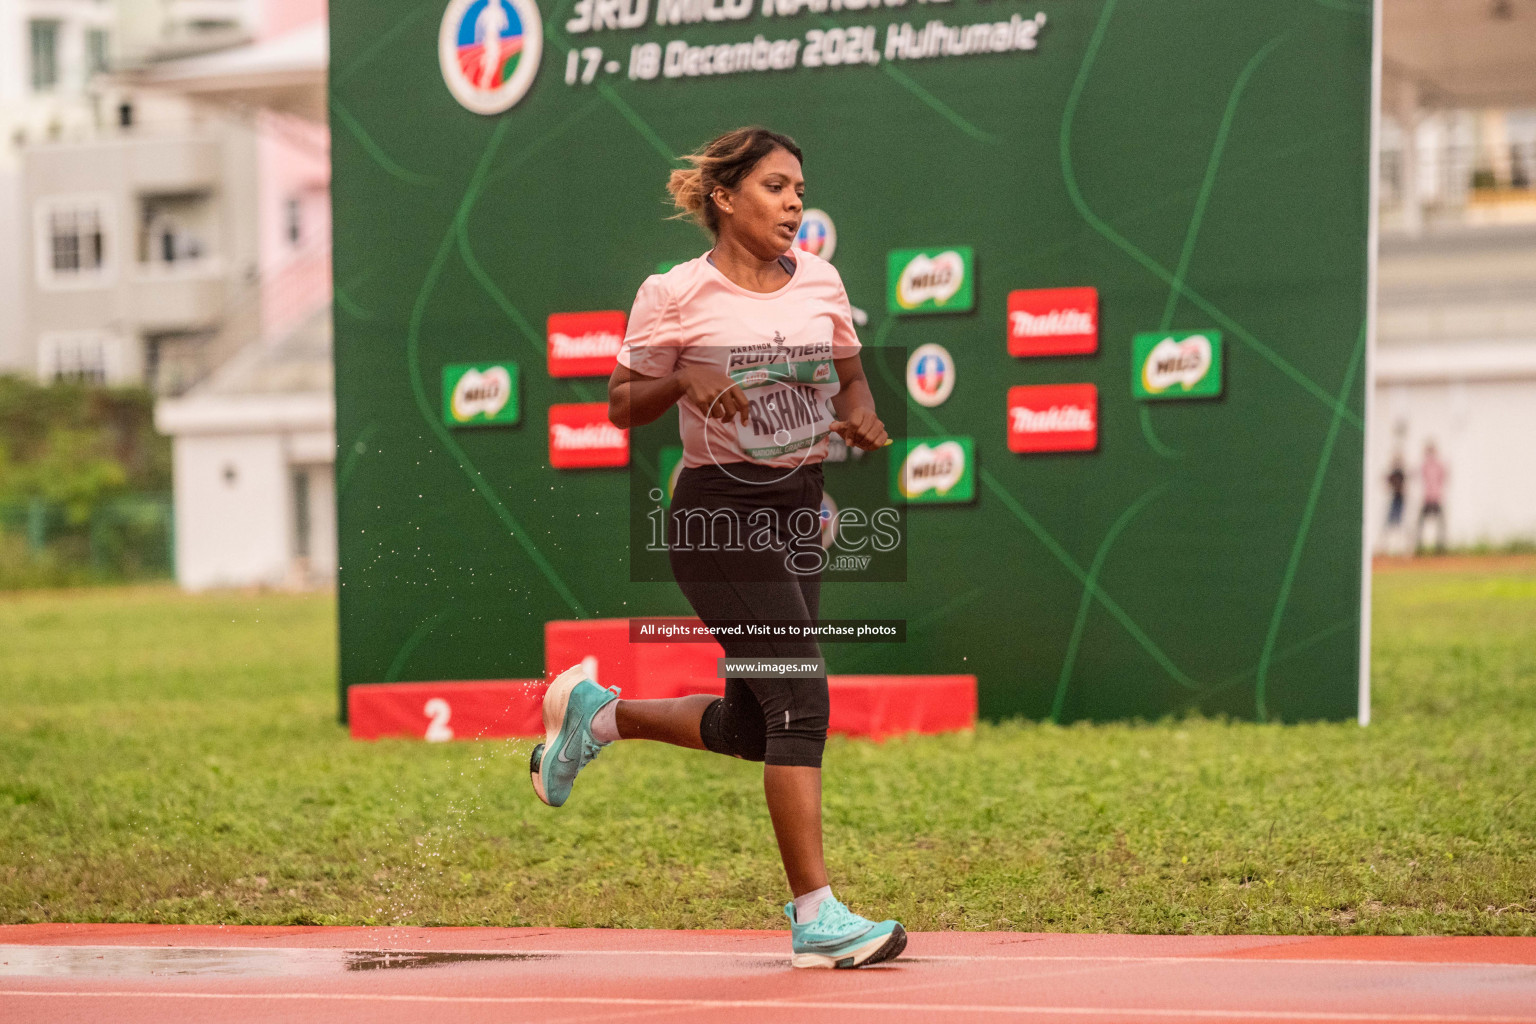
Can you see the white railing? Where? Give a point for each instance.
(1447, 179)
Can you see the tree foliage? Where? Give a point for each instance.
(75, 445)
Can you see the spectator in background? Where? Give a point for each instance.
(1432, 474)
(1397, 490)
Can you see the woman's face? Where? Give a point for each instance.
(762, 213)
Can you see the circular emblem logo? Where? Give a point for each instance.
(489, 51)
(817, 235)
(930, 375)
(828, 520)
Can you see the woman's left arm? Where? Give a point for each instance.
(855, 405)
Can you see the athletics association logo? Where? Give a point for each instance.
(581, 437)
(1053, 418)
(1053, 322)
(489, 51)
(817, 235)
(828, 520)
(930, 375)
(584, 344)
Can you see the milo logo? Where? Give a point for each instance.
(478, 394)
(934, 469)
(1176, 365)
(931, 281)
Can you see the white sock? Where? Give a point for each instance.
(605, 724)
(807, 906)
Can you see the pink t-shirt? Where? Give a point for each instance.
(778, 345)
(1434, 479)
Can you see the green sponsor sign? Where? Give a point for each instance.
(931, 280)
(933, 470)
(480, 394)
(1177, 364)
(1040, 160)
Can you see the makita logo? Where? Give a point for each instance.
(1056, 418)
(581, 437)
(1053, 322)
(593, 435)
(1053, 418)
(596, 343)
(1057, 321)
(584, 344)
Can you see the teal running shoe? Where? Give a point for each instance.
(569, 704)
(840, 938)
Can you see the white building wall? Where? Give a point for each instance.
(1485, 431)
(233, 520)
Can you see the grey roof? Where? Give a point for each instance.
(299, 363)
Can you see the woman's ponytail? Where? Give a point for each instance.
(723, 163)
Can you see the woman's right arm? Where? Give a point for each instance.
(635, 399)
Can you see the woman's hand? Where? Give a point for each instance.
(714, 394)
(862, 428)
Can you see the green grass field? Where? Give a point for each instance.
(168, 758)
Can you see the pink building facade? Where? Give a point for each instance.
(293, 192)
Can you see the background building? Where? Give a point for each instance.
(143, 251)
(152, 224)
(1456, 327)
(253, 455)
(254, 442)
(53, 58)
(165, 213)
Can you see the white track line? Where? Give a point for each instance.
(1238, 960)
(784, 1004)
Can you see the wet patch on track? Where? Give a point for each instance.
(141, 961)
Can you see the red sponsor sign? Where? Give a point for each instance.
(437, 712)
(1053, 418)
(1053, 322)
(584, 344)
(581, 437)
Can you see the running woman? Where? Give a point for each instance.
(754, 341)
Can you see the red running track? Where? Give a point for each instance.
(170, 974)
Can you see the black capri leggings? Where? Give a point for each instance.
(721, 518)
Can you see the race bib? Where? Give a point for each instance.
(789, 391)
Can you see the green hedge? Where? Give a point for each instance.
(125, 538)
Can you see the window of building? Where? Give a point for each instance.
(72, 240)
(45, 55)
(98, 51)
(92, 357)
(173, 228)
(176, 360)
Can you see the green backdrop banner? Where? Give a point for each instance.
(1110, 262)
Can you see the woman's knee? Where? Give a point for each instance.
(731, 728)
(795, 714)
